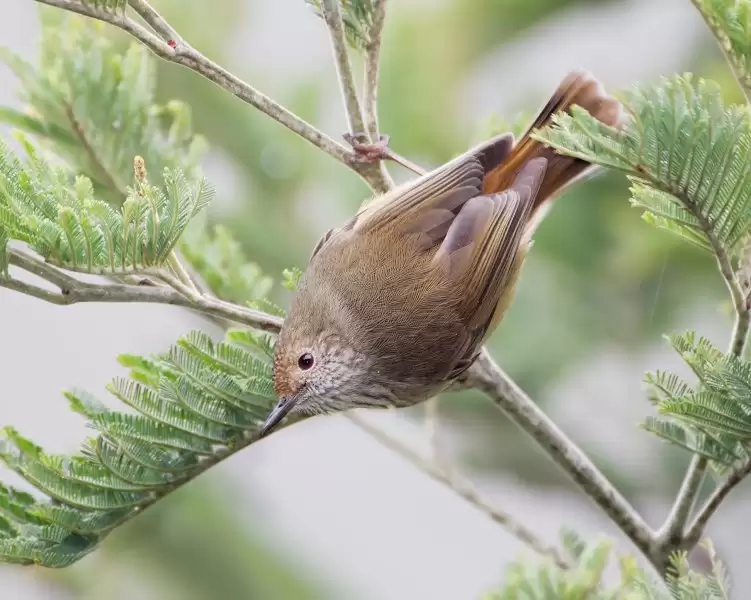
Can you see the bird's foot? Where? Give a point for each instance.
(371, 152)
(368, 152)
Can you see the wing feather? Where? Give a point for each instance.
(426, 206)
(483, 250)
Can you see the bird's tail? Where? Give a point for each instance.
(577, 88)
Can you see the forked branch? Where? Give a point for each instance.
(167, 44)
(74, 291)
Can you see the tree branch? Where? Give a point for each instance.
(183, 54)
(332, 15)
(696, 529)
(374, 171)
(31, 290)
(96, 163)
(670, 535)
(372, 68)
(488, 377)
(74, 291)
(154, 20)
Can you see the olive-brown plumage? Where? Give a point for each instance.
(397, 302)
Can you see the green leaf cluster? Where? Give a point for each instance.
(91, 109)
(730, 21)
(585, 580)
(358, 20)
(57, 214)
(93, 102)
(196, 404)
(222, 263)
(685, 152)
(713, 418)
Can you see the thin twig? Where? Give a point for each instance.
(74, 291)
(444, 468)
(488, 377)
(431, 432)
(462, 489)
(696, 529)
(407, 164)
(160, 26)
(186, 56)
(372, 69)
(31, 290)
(181, 272)
(374, 171)
(670, 535)
(83, 138)
(332, 15)
(42, 270)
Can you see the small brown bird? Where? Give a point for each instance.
(397, 302)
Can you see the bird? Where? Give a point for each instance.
(396, 303)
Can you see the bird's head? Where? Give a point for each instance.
(316, 369)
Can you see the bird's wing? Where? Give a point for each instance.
(427, 205)
(482, 253)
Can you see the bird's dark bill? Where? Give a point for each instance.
(280, 411)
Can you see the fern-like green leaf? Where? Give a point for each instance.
(30, 464)
(358, 20)
(162, 409)
(541, 580)
(730, 21)
(260, 344)
(122, 466)
(56, 214)
(723, 450)
(149, 431)
(713, 418)
(192, 406)
(237, 392)
(78, 97)
(686, 153)
(29, 551)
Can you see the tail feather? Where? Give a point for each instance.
(578, 88)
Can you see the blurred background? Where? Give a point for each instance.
(322, 511)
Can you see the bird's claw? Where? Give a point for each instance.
(367, 152)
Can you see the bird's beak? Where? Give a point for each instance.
(280, 411)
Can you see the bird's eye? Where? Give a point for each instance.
(305, 361)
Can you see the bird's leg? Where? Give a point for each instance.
(365, 152)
